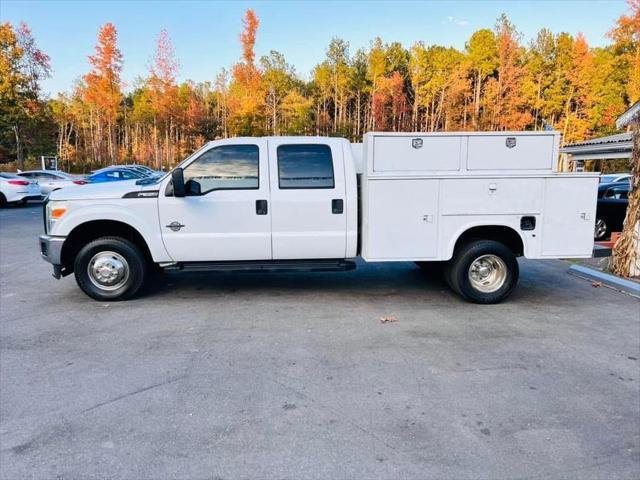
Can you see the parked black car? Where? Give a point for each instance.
(613, 199)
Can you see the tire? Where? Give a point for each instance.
(601, 229)
(3, 200)
(483, 271)
(110, 269)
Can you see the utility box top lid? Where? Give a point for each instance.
(451, 152)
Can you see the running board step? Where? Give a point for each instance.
(266, 266)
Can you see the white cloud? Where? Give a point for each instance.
(451, 20)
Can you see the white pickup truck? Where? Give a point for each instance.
(471, 202)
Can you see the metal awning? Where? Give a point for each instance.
(603, 148)
(627, 117)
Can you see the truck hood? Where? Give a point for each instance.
(99, 191)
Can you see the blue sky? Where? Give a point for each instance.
(205, 33)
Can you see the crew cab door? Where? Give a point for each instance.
(308, 214)
(231, 218)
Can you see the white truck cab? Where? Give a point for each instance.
(472, 202)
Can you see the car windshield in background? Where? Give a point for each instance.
(150, 180)
(114, 175)
(614, 178)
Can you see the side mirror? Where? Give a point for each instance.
(177, 178)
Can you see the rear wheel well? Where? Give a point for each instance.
(86, 232)
(499, 233)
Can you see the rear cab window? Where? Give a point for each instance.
(305, 166)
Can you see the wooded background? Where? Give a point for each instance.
(556, 81)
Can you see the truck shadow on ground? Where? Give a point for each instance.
(404, 280)
(365, 280)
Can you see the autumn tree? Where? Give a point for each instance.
(482, 57)
(339, 71)
(376, 70)
(359, 86)
(246, 92)
(390, 103)
(322, 88)
(102, 94)
(626, 37)
(579, 98)
(507, 108)
(163, 96)
(279, 80)
(22, 66)
(495, 83)
(433, 73)
(296, 114)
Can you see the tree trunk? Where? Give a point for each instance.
(626, 253)
(19, 153)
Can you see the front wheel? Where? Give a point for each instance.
(483, 271)
(110, 268)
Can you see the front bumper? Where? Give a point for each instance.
(16, 197)
(51, 251)
(33, 197)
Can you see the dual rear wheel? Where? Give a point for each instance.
(481, 271)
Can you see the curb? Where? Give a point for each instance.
(622, 284)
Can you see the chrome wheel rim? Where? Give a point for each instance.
(600, 229)
(487, 273)
(108, 270)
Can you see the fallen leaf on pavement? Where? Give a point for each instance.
(388, 319)
(596, 284)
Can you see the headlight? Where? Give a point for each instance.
(54, 212)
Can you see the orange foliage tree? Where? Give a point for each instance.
(102, 94)
(495, 83)
(163, 96)
(246, 102)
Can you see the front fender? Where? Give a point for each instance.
(143, 216)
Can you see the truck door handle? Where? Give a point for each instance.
(261, 207)
(337, 206)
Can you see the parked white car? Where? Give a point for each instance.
(14, 189)
(50, 180)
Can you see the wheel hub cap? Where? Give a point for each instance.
(601, 228)
(487, 273)
(108, 270)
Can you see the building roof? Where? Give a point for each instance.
(627, 117)
(611, 147)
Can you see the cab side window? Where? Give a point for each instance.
(305, 166)
(228, 167)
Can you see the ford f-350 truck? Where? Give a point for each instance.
(470, 202)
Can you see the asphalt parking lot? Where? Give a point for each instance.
(295, 376)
